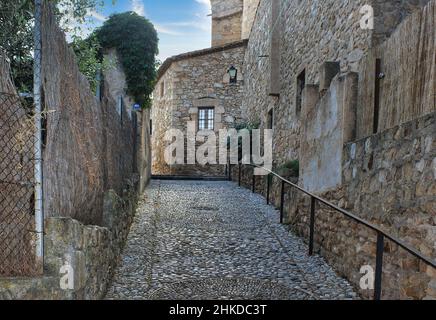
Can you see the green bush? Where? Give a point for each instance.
(87, 54)
(16, 32)
(136, 41)
(290, 168)
(250, 126)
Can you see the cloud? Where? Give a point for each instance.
(205, 2)
(166, 30)
(200, 22)
(200, 25)
(138, 7)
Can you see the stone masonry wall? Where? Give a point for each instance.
(89, 143)
(161, 119)
(248, 16)
(144, 158)
(226, 21)
(389, 180)
(90, 253)
(329, 123)
(226, 30)
(90, 176)
(199, 80)
(312, 33)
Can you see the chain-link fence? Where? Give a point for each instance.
(17, 186)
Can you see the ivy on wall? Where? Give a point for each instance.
(136, 41)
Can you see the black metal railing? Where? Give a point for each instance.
(381, 235)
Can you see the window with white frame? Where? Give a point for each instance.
(206, 118)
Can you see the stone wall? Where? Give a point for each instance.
(389, 14)
(144, 159)
(93, 156)
(161, 119)
(193, 80)
(389, 184)
(389, 180)
(334, 36)
(226, 21)
(312, 33)
(89, 143)
(248, 16)
(90, 253)
(329, 123)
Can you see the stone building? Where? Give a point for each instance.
(353, 102)
(198, 87)
(356, 108)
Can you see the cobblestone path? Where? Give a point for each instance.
(213, 240)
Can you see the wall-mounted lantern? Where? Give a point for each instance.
(233, 73)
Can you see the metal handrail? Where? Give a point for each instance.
(381, 234)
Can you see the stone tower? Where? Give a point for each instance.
(226, 21)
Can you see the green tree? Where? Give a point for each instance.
(89, 58)
(16, 31)
(16, 39)
(136, 41)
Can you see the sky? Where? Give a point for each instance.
(182, 25)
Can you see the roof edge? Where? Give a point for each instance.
(192, 54)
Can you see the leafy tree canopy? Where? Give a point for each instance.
(136, 41)
(16, 31)
(16, 39)
(88, 58)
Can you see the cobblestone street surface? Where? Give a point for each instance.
(212, 240)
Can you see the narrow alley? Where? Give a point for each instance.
(196, 240)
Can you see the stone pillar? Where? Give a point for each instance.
(327, 72)
(310, 99)
(349, 103)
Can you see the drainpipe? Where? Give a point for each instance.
(38, 174)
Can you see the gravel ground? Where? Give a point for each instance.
(196, 240)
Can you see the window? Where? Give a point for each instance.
(162, 89)
(270, 124)
(378, 70)
(206, 118)
(151, 127)
(301, 83)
